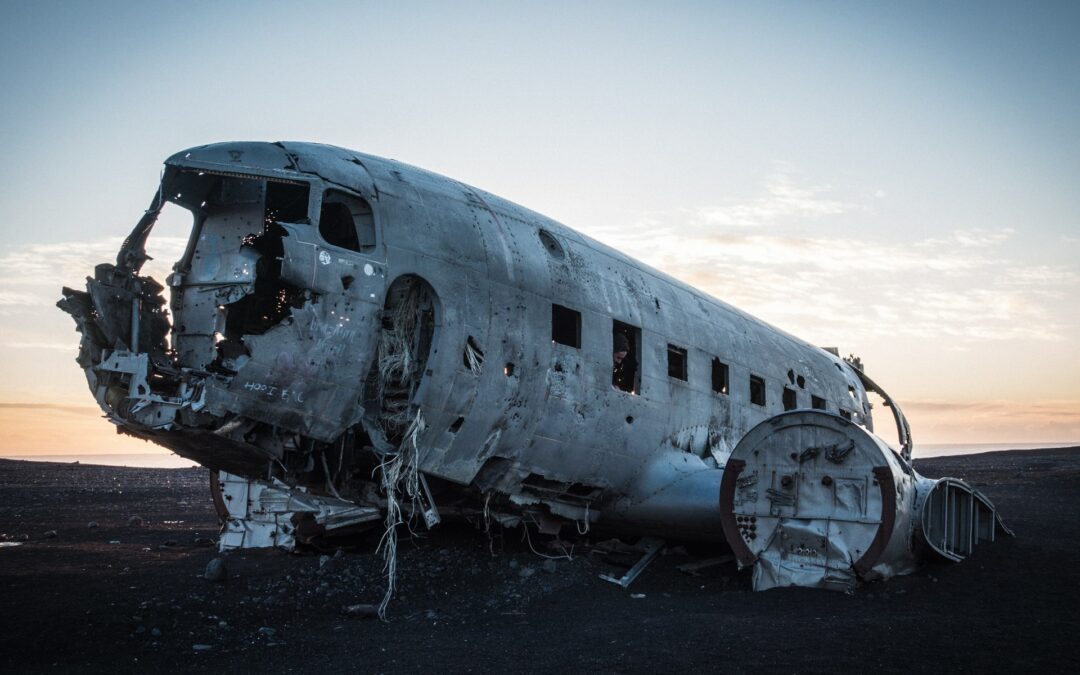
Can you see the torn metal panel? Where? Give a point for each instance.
(265, 514)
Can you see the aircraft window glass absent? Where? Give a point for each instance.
(625, 349)
(676, 362)
(757, 390)
(286, 202)
(790, 401)
(817, 403)
(846, 414)
(565, 326)
(719, 376)
(346, 221)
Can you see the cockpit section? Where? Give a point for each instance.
(263, 350)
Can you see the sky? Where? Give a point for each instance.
(898, 180)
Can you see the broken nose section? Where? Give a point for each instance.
(811, 499)
(123, 351)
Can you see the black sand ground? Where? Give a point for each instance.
(122, 598)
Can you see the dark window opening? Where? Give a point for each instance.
(346, 221)
(791, 376)
(457, 425)
(625, 350)
(817, 403)
(790, 400)
(846, 414)
(508, 369)
(565, 326)
(757, 390)
(719, 377)
(801, 381)
(676, 362)
(286, 203)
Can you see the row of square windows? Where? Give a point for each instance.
(566, 330)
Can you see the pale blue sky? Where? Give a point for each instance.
(899, 179)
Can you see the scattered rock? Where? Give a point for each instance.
(114, 541)
(92, 525)
(324, 560)
(215, 570)
(267, 631)
(135, 521)
(156, 632)
(549, 566)
(50, 534)
(140, 630)
(169, 542)
(360, 611)
(513, 564)
(204, 541)
(526, 572)
(637, 596)
(200, 647)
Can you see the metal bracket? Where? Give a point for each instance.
(653, 546)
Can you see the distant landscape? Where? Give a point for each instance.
(163, 459)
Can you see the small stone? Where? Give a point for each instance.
(215, 570)
(156, 632)
(50, 534)
(526, 572)
(135, 521)
(140, 630)
(169, 542)
(115, 541)
(513, 564)
(222, 624)
(549, 566)
(267, 631)
(92, 525)
(637, 596)
(204, 541)
(324, 560)
(200, 647)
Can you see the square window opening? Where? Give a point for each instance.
(346, 221)
(817, 403)
(565, 326)
(790, 400)
(626, 353)
(676, 362)
(757, 390)
(719, 377)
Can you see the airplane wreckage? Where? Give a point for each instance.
(351, 342)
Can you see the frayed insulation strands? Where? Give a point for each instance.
(397, 360)
(401, 481)
(474, 357)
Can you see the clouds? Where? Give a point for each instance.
(774, 256)
(782, 197)
(31, 275)
(996, 421)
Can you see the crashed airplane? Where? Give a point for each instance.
(350, 342)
